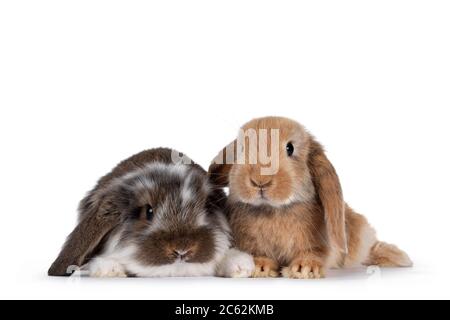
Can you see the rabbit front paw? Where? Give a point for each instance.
(304, 270)
(106, 268)
(265, 268)
(237, 264)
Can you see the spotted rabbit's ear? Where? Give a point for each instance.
(219, 171)
(97, 220)
(328, 188)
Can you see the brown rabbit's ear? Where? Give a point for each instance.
(219, 171)
(328, 188)
(97, 220)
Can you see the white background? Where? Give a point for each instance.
(85, 84)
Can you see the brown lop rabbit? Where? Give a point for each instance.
(294, 220)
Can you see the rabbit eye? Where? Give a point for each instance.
(149, 213)
(290, 149)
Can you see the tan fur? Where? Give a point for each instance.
(299, 218)
(388, 256)
(328, 189)
(282, 234)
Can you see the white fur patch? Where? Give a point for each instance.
(202, 220)
(103, 267)
(236, 264)
(177, 269)
(187, 195)
(170, 169)
(368, 240)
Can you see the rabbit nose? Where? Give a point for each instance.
(260, 184)
(182, 254)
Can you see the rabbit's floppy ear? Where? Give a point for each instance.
(219, 170)
(97, 220)
(328, 188)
